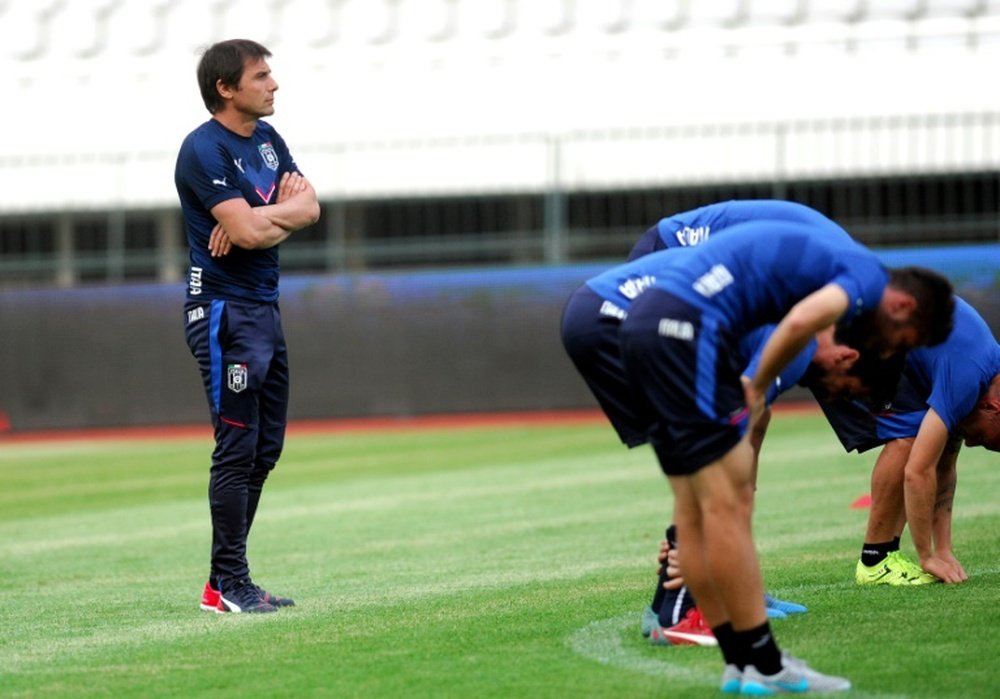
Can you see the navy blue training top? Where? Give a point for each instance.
(693, 227)
(215, 164)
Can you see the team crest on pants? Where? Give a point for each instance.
(236, 377)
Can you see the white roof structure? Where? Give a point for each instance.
(386, 98)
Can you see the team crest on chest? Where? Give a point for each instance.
(236, 377)
(269, 155)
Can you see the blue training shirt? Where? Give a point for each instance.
(754, 274)
(214, 165)
(693, 227)
(950, 376)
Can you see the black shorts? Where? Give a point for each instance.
(590, 337)
(860, 428)
(688, 367)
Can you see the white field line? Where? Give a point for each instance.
(601, 641)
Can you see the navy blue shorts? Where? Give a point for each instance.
(859, 428)
(688, 367)
(590, 336)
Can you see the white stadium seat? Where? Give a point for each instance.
(360, 74)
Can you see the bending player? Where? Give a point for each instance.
(949, 392)
(679, 344)
(591, 317)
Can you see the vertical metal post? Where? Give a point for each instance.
(66, 270)
(779, 188)
(555, 205)
(335, 229)
(169, 253)
(115, 268)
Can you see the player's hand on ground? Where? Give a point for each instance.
(219, 243)
(291, 183)
(948, 571)
(668, 557)
(956, 567)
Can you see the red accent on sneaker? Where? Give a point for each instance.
(210, 599)
(691, 630)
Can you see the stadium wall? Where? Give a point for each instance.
(362, 345)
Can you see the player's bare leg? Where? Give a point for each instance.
(724, 492)
(888, 510)
(691, 551)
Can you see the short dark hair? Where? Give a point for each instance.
(879, 379)
(934, 314)
(224, 61)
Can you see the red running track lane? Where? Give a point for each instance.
(331, 426)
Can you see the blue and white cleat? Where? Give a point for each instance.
(795, 677)
(786, 608)
(650, 620)
(732, 679)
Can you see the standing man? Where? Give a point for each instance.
(679, 341)
(241, 195)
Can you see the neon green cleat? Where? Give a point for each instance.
(895, 569)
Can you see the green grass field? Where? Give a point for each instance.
(475, 562)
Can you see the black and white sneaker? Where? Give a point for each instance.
(244, 598)
(274, 600)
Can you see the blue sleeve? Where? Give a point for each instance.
(205, 168)
(284, 155)
(898, 425)
(789, 376)
(959, 369)
(864, 280)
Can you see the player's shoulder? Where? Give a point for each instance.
(267, 130)
(203, 136)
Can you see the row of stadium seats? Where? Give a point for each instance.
(117, 29)
(418, 97)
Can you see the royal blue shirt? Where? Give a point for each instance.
(950, 376)
(692, 227)
(215, 164)
(753, 274)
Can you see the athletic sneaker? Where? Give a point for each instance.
(895, 569)
(691, 630)
(209, 598)
(732, 678)
(783, 606)
(795, 677)
(274, 600)
(650, 620)
(244, 598)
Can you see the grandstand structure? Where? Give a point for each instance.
(498, 132)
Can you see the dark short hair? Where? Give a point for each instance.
(934, 314)
(879, 379)
(224, 61)
(880, 376)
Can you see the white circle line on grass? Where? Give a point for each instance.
(601, 641)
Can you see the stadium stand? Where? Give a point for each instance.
(501, 131)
